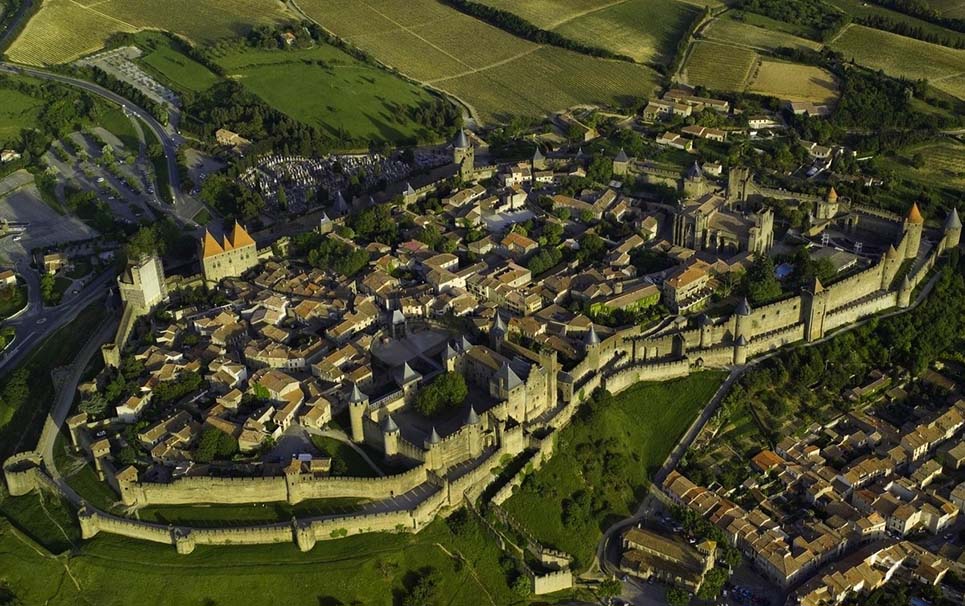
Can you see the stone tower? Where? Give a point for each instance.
(953, 230)
(737, 180)
(694, 183)
(742, 320)
(390, 437)
(740, 350)
(497, 333)
(474, 427)
(591, 348)
(463, 155)
(621, 163)
(913, 226)
(433, 455)
(357, 403)
(814, 299)
(142, 284)
(828, 208)
(539, 160)
(706, 331)
(904, 292)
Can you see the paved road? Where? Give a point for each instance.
(65, 397)
(37, 321)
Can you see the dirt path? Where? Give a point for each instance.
(556, 24)
(469, 567)
(486, 67)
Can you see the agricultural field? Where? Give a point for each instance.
(860, 8)
(324, 87)
(646, 30)
(63, 30)
(17, 111)
(794, 82)
(609, 453)
(954, 9)
(162, 60)
(719, 66)
(494, 72)
(944, 163)
(906, 57)
(746, 33)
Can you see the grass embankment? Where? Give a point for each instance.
(604, 461)
(21, 417)
(12, 300)
(372, 569)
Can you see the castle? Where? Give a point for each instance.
(463, 155)
(234, 255)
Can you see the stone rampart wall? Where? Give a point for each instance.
(626, 377)
(775, 339)
(855, 311)
(207, 489)
(855, 287)
(557, 580)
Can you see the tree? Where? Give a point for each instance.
(48, 289)
(425, 589)
(214, 444)
(760, 282)
(522, 586)
(447, 391)
(610, 588)
(677, 597)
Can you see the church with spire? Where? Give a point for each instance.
(228, 256)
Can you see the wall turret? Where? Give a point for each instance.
(740, 350)
(591, 348)
(474, 427)
(539, 160)
(814, 298)
(433, 459)
(304, 535)
(21, 471)
(497, 332)
(742, 320)
(621, 163)
(904, 292)
(358, 402)
(706, 331)
(390, 437)
(891, 262)
(953, 230)
(87, 518)
(913, 226)
(463, 155)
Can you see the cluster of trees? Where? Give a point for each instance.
(814, 14)
(330, 253)
(375, 224)
(904, 28)
(63, 110)
(518, 26)
(48, 290)
(446, 392)
(230, 199)
(120, 385)
(128, 91)
(423, 588)
(922, 10)
(166, 392)
(215, 445)
(545, 259)
(684, 42)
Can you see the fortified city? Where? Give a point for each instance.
(482, 302)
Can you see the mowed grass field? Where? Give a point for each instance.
(63, 30)
(645, 30)
(182, 72)
(794, 82)
(643, 423)
(495, 73)
(906, 57)
(743, 33)
(324, 87)
(17, 111)
(720, 66)
(860, 8)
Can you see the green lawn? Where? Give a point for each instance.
(17, 112)
(608, 453)
(324, 87)
(219, 516)
(173, 67)
(345, 461)
(113, 119)
(12, 300)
